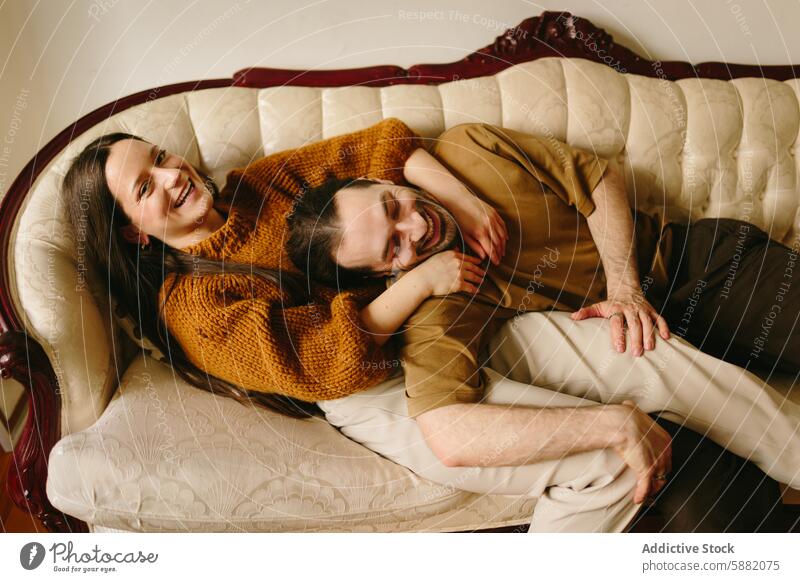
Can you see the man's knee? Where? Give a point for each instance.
(602, 505)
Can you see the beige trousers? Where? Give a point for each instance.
(548, 360)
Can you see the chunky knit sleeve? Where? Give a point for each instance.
(237, 328)
(379, 151)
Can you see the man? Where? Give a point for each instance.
(583, 461)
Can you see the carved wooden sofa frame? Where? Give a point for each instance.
(22, 358)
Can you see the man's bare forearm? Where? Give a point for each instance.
(425, 171)
(611, 226)
(486, 435)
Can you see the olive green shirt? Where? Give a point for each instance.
(542, 190)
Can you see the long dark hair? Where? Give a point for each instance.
(136, 275)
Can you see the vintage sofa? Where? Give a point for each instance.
(123, 444)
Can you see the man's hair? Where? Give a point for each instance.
(314, 233)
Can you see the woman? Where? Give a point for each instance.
(204, 274)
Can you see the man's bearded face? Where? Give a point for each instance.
(387, 228)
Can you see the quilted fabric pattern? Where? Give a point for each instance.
(693, 148)
(167, 457)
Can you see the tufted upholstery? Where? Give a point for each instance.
(692, 148)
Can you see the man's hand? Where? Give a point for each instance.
(628, 306)
(611, 225)
(647, 449)
(489, 435)
(481, 226)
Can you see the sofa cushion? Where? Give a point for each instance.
(165, 456)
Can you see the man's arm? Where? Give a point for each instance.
(486, 435)
(481, 225)
(444, 384)
(611, 226)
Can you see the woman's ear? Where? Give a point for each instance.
(133, 235)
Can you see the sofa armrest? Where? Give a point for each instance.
(24, 360)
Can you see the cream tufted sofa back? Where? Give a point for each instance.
(692, 148)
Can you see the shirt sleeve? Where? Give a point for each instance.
(571, 173)
(379, 151)
(237, 328)
(441, 344)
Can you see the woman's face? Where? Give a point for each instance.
(161, 193)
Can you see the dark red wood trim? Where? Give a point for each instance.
(370, 76)
(549, 34)
(26, 362)
(727, 71)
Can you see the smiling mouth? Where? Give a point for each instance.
(182, 198)
(434, 233)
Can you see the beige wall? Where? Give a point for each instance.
(60, 59)
(63, 59)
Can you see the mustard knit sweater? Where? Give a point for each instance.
(237, 327)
